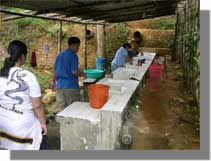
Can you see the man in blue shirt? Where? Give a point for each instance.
(66, 73)
(120, 57)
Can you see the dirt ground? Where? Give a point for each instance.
(160, 123)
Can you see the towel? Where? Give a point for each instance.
(33, 60)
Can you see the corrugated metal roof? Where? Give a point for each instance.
(98, 10)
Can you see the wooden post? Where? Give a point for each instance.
(59, 37)
(179, 32)
(175, 51)
(85, 52)
(100, 40)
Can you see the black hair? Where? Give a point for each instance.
(15, 50)
(73, 40)
(127, 45)
(138, 35)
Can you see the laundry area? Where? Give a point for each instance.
(152, 102)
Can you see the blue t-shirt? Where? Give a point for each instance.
(66, 62)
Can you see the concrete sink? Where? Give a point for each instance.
(116, 86)
(124, 73)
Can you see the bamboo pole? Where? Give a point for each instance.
(85, 43)
(60, 37)
(51, 18)
(184, 47)
(100, 40)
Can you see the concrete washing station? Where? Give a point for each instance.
(85, 128)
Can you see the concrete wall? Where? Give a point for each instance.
(79, 127)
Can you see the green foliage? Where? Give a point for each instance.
(197, 61)
(167, 23)
(16, 10)
(193, 62)
(169, 43)
(114, 39)
(15, 30)
(1, 64)
(191, 44)
(42, 78)
(194, 111)
(42, 26)
(25, 22)
(52, 31)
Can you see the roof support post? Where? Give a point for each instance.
(100, 40)
(60, 37)
(85, 49)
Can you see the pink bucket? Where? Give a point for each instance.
(155, 71)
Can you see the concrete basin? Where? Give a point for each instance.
(116, 86)
(123, 73)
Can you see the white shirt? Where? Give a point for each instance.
(120, 56)
(16, 90)
(18, 123)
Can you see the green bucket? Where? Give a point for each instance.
(94, 73)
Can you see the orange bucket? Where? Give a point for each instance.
(98, 95)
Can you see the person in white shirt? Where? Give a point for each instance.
(22, 117)
(121, 57)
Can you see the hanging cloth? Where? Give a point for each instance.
(33, 60)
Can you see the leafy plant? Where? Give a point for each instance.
(52, 31)
(163, 23)
(42, 78)
(194, 112)
(1, 64)
(192, 70)
(114, 39)
(197, 61)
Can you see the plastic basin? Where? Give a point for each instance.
(94, 73)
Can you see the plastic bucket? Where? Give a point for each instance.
(100, 63)
(155, 72)
(154, 85)
(98, 95)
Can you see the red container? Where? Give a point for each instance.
(98, 95)
(155, 71)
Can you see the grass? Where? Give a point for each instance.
(165, 23)
(1, 63)
(19, 29)
(42, 78)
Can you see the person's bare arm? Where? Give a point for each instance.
(40, 113)
(128, 59)
(140, 51)
(53, 82)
